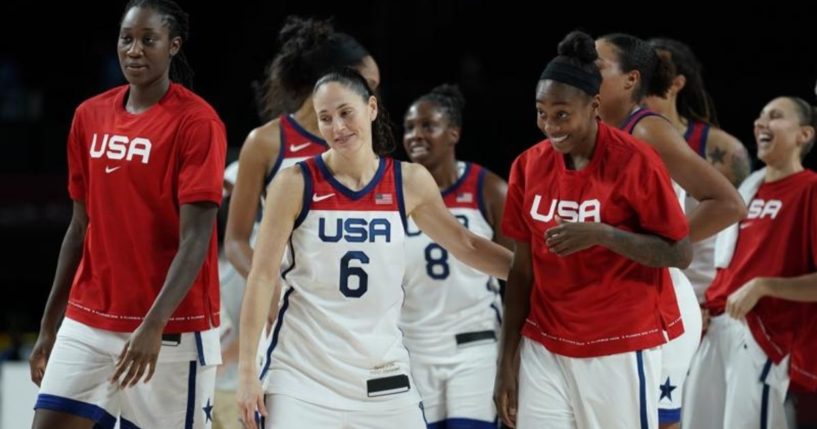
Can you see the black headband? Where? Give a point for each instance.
(571, 75)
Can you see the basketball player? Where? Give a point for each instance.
(596, 223)
(632, 70)
(451, 314)
(336, 358)
(137, 277)
(766, 282)
(690, 109)
(309, 48)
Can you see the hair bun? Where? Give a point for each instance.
(579, 45)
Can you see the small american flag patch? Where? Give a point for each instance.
(465, 197)
(382, 198)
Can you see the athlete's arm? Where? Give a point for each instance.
(517, 307)
(425, 205)
(647, 249)
(493, 193)
(728, 155)
(720, 204)
(283, 203)
(140, 353)
(257, 155)
(70, 255)
(800, 289)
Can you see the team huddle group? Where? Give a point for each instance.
(651, 279)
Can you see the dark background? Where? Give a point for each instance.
(53, 56)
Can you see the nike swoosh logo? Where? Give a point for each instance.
(316, 197)
(112, 169)
(297, 147)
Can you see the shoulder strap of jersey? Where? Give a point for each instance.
(696, 135)
(397, 170)
(308, 168)
(629, 124)
(282, 144)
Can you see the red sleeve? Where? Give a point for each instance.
(201, 161)
(77, 188)
(514, 224)
(655, 201)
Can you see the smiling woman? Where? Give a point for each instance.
(741, 373)
(339, 360)
(573, 200)
(308, 49)
(137, 274)
(451, 313)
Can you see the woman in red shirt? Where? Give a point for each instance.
(596, 223)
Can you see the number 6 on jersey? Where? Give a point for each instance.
(346, 271)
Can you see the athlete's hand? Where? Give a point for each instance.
(743, 300)
(40, 354)
(567, 238)
(139, 355)
(505, 392)
(250, 397)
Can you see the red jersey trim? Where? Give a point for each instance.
(289, 129)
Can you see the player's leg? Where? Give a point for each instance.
(225, 410)
(471, 387)
(284, 412)
(705, 391)
(756, 388)
(543, 392)
(614, 391)
(75, 392)
(676, 355)
(180, 395)
(430, 380)
(408, 417)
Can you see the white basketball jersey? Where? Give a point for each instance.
(447, 302)
(336, 342)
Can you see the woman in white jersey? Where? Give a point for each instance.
(690, 109)
(309, 48)
(336, 357)
(452, 311)
(632, 70)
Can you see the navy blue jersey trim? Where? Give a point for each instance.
(302, 131)
(401, 204)
(459, 181)
(275, 332)
(340, 187)
(280, 159)
(704, 138)
(307, 196)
